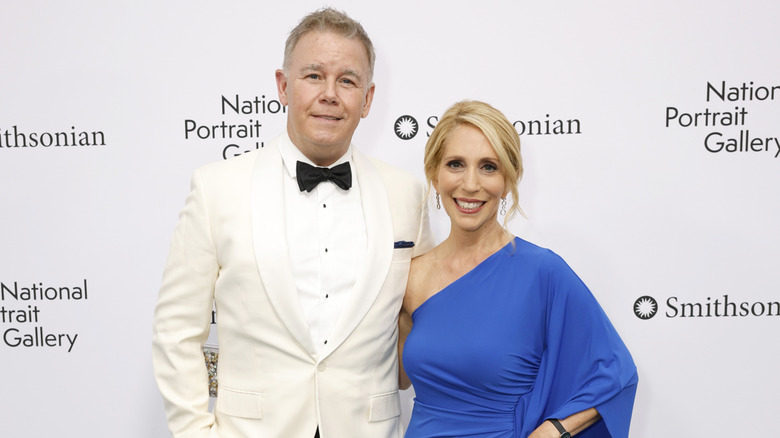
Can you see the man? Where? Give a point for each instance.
(307, 280)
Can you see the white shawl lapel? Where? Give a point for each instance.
(269, 233)
(379, 247)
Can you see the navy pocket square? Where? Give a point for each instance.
(403, 244)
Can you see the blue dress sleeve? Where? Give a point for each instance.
(585, 364)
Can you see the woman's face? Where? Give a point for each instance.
(470, 180)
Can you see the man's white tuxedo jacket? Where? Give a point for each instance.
(229, 249)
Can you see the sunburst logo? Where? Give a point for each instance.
(645, 307)
(406, 127)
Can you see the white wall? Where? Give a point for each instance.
(636, 207)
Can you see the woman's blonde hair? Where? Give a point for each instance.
(499, 132)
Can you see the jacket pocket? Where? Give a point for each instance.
(240, 404)
(384, 406)
(402, 254)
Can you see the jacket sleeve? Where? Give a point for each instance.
(182, 318)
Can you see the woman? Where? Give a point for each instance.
(505, 341)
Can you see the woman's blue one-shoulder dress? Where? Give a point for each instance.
(515, 341)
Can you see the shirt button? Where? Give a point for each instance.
(322, 366)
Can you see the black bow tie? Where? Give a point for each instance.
(309, 176)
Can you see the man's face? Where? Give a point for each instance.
(327, 92)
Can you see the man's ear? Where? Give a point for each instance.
(281, 86)
(369, 99)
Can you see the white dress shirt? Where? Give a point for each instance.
(326, 235)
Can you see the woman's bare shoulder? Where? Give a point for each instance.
(423, 265)
(421, 279)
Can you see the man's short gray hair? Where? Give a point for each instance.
(330, 20)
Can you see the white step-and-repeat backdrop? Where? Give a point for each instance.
(650, 132)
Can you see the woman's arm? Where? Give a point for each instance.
(574, 424)
(404, 327)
